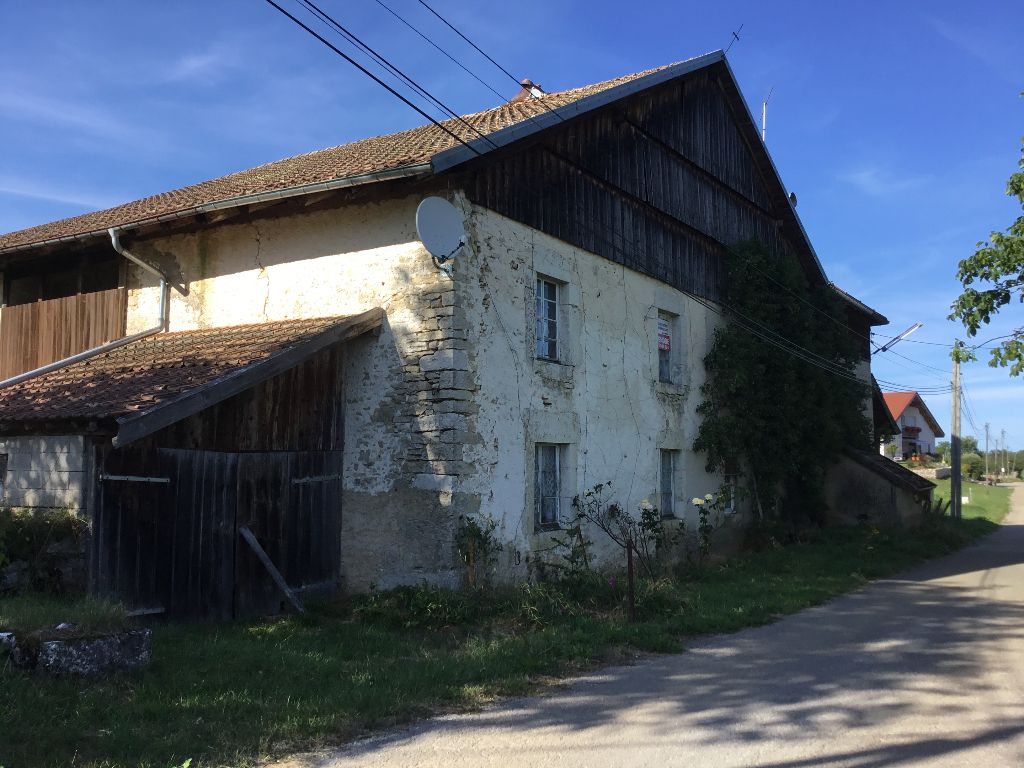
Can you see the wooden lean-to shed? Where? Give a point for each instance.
(214, 461)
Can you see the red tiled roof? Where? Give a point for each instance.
(898, 402)
(147, 373)
(374, 155)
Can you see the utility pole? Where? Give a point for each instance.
(1002, 464)
(954, 439)
(986, 451)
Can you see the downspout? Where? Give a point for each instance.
(161, 324)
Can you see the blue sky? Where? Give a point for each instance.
(897, 124)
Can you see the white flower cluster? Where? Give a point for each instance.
(697, 501)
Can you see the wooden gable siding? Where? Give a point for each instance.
(42, 332)
(299, 410)
(663, 184)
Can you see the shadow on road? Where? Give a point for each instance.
(910, 649)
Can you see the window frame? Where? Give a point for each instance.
(552, 317)
(668, 511)
(667, 373)
(555, 523)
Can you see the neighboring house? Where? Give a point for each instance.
(918, 429)
(311, 375)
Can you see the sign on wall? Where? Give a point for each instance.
(664, 335)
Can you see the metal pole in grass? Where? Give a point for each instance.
(629, 578)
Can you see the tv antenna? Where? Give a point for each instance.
(735, 38)
(441, 229)
(764, 115)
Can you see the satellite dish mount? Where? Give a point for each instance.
(441, 229)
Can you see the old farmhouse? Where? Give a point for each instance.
(273, 355)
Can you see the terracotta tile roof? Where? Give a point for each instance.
(149, 372)
(898, 402)
(374, 155)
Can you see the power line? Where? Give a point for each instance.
(451, 58)
(387, 65)
(370, 74)
(475, 46)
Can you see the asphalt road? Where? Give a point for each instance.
(923, 670)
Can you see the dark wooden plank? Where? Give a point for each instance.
(275, 574)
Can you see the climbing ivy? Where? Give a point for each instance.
(782, 419)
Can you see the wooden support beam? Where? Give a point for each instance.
(275, 574)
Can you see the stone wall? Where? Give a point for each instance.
(856, 494)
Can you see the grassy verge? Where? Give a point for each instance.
(990, 502)
(37, 614)
(227, 694)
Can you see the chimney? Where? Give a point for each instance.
(530, 90)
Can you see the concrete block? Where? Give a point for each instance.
(443, 421)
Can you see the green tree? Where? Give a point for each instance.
(998, 267)
(783, 419)
(972, 465)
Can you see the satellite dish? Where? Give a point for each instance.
(440, 227)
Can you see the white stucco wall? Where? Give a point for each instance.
(43, 471)
(604, 401)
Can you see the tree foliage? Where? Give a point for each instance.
(994, 277)
(784, 420)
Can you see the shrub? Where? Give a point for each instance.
(25, 535)
(972, 465)
(424, 606)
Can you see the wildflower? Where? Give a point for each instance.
(708, 497)
(697, 501)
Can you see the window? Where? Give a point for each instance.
(547, 485)
(667, 486)
(547, 319)
(666, 329)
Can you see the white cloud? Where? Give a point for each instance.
(881, 183)
(207, 66)
(16, 187)
(978, 44)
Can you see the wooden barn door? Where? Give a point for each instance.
(167, 528)
(291, 502)
(164, 534)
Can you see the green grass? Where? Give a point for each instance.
(228, 694)
(991, 502)
(26, 615)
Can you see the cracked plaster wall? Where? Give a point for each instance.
(605, 402)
